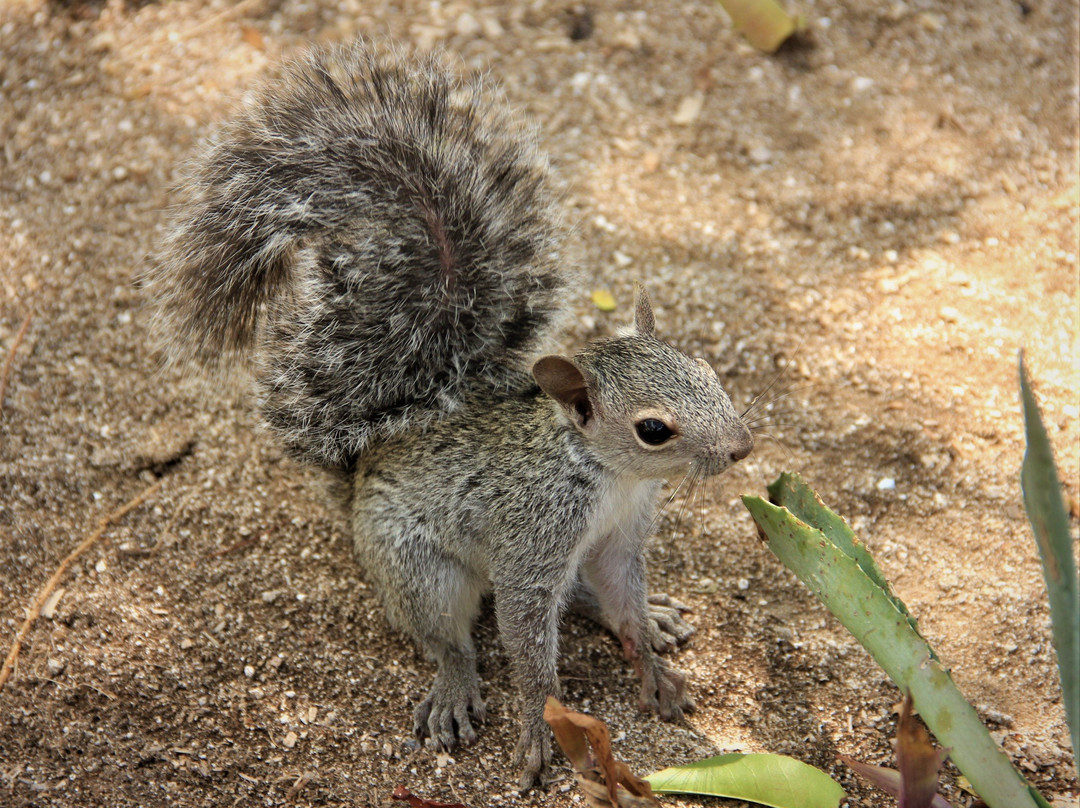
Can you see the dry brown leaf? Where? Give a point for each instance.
(402, 793)
(585, 740)
(253, 37)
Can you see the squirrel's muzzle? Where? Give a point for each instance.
(743, 445)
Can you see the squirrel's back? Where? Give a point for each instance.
(376, 236)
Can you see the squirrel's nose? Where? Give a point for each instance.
(743, 446)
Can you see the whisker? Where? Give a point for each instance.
(702, 503)
(776, 377)
(759, 417)
(778, 442)
(758, 428)
(759, 405)
(663, 507)
(694, 477)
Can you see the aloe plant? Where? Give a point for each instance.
(820, 549)
(1050, 522)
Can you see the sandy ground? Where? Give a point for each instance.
(887, 213)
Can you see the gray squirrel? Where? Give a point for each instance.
(376, 240)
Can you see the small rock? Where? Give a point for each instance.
(886, 484)
(467, 25)
(689, 109)
(949, 314)
(186, 643)
(760, 154)
(706, 586)
(492, 27)
(249, 671)
(930, 22)
(55, 666)
(628, 39)
(48, 609)
(290, 740)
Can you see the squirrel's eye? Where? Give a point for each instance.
(653, 431)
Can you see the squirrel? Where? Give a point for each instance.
(376, 240)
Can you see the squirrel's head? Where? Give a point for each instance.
(645, 407)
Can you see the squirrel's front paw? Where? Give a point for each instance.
(668, 629)
(533, 755)
(663, 690)
(444, 716)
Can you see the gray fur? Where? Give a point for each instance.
(358, 208)
(376, 240)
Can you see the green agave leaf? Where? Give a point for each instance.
(1049, 520)
(774, 780)
(878, 622)
(791, 491)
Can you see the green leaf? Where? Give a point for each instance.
(774, 780)
(880, 622)
(791, 492)
(1049, 520)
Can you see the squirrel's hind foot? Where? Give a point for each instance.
(533, 755)
(663, 689)
(668, 630)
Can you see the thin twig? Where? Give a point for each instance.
(88, 542)
(216, 20)
(240, 545)
(11, 357)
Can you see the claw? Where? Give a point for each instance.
(442, 720)
(668, 627)
(663, 690)
(533, 754)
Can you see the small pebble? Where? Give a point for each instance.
(689, 109)
(467, 25)
(760, 154)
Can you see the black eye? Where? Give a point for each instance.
(653, 431)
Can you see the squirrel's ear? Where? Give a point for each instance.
(563, 380)
(644, 322)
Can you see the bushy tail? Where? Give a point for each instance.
(377, 235)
